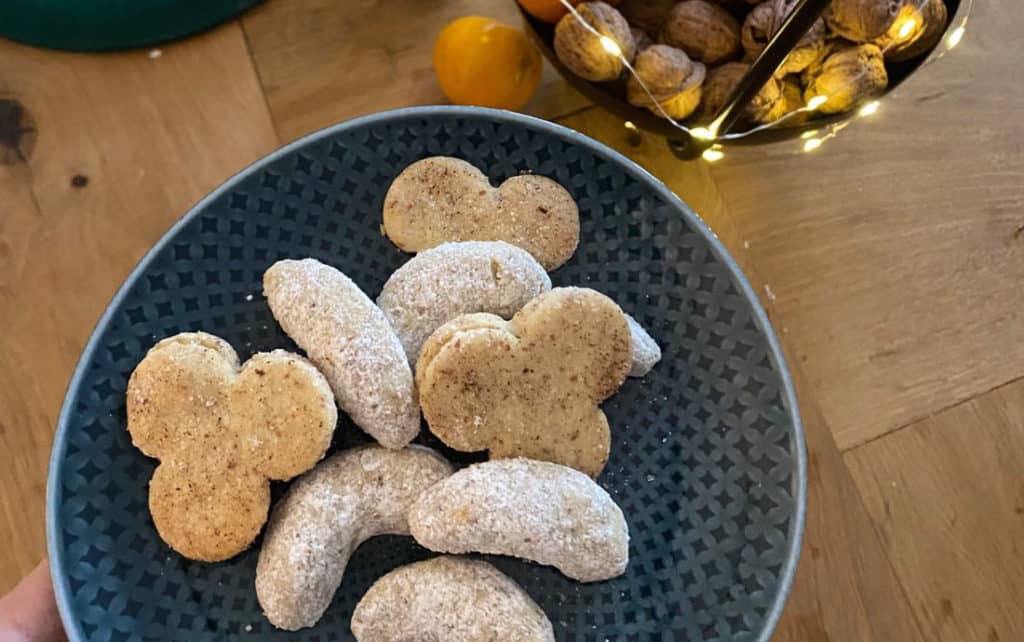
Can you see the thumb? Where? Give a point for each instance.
(29, 612)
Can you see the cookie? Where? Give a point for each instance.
(535, 510)
(326, 515)
(221, 432)
(353, 344)
(529, 387)
(450, 599)
(646, 353)
(441, 283)
(441, 199)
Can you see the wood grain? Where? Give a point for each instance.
(125, 144)
(845, 589)
(323, 62)
(947, 495)
(896, 251)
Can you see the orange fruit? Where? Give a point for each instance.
(546, 10)
(479, 61)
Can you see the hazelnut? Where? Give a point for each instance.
(849, 74)
(764, 22)
(862, 20)
(581, 50)
(647, 15)
(672, 78)
(929, 25)
(719, 86)
(705, 31)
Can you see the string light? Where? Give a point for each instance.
(907, 28)
(713, 155)
(870, 108)
(611, 46)
(816, 102)
(812, 142)
(954, 37)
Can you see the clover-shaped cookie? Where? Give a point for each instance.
(221, 433)
(529, 387)
(442, 199)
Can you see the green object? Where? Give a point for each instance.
(104, 25)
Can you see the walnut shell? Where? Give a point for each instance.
(764, 22)
(647, 15)
(791, 100)
(722, 80)
(930, 24)
(862, 20)
(581, 50)
(641, 40)
(703, 30)
(672, 78)
(848, 76)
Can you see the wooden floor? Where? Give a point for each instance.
(891, 262)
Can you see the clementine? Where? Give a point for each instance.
(479, 61)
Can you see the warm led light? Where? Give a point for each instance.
(712, 155)
(812, 144)
(954, 37)
(611, 46)
(702, 133)
(907, 28)
(810, 134)
(629, 125)
(869, 108)
(816, 102)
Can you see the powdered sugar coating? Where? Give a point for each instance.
(449, 599)
(443, 282)
(326, 515)
(646, 352)
(536, 510)
(353, 344)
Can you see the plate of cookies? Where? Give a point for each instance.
(434, 374)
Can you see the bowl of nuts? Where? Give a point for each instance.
(700, 71)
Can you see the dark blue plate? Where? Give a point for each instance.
(707, 458)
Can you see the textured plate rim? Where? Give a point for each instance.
(54, 551)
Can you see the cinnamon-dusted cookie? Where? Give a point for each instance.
(441, 199)
(326, 515)
(439, 284)
(529, 387)
(351, 341)
(451, 599)
(536, 510)
(221, 433)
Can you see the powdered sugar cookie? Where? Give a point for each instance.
(441, 283)
(353, 344)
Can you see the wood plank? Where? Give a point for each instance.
(126, 143)
(323, 62)
(896, 251)
(845, 589)
(947, 495)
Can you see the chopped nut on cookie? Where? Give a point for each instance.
(221, 433)
(529, 387)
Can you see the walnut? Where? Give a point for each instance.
(791, 100)
(850, 74)
(648, 15)
(862, 20)
(641, 40)
(765, 20)
(722, 80)
(672, 78)
(703, 30)
(929, 25)
(582, 51)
